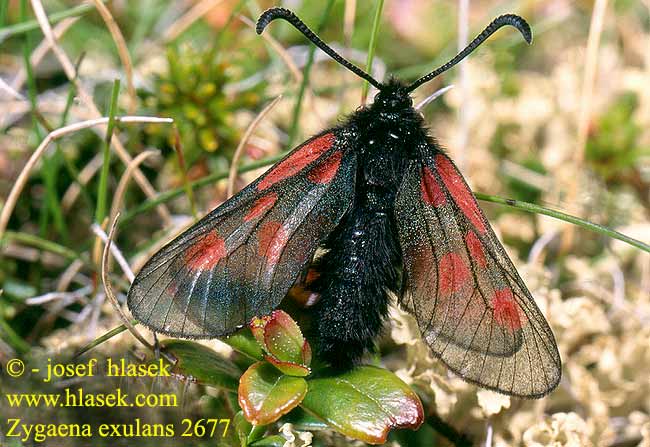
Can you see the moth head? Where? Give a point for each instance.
(393, 96)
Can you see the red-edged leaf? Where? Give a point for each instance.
(364, 403)
(284, 340)
(257, 326)
(265, 394)
(281, 337)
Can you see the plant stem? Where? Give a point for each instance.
(532, 208)
(30, 25)
(371, 48)
(102, 196)
(39, 242)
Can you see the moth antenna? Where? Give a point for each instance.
(280, 13)
(507, 19)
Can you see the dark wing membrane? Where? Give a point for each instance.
(473, 309)
(240, 260)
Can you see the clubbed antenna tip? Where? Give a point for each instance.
(280, 13)
(506, 19)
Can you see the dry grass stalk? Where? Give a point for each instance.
(41, 50)
(86, 173)
(433, 96)
(537, 250)
(463, 115)
(310, 98)
(232, 176)
(68, 275)
(87, 99)
(348, 21)
(275, 45)
(108, 289)
(10, 90)
(122, 51)
(186, 20)
(118, 196)
(40, 150)
(584, 113)
(115, 251)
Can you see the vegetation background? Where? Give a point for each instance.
(564, 123)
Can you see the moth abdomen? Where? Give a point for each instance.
(355, 278)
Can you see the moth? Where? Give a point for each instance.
(391, 217)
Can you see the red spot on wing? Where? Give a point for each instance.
(297, 160)
(431, 191)
(475, 248)
(326, 171)
(453, 273)
(460, 192)
(206, 253)
(272, 239)
(261, 205)
(506, 310)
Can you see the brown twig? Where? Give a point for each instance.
(108, 289)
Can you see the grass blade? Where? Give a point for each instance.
(537, 209)
(102, 192)
(371, 48)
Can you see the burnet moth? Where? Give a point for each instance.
(391, 217)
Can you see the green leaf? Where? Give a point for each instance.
(242, 427)
(364, 403)
(244, 343)
(201, 364)
(289, 368)
(265, 394)
(304, 421)
(270, 441)
(256, 433)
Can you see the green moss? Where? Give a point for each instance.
(612, 147)
(193, 93)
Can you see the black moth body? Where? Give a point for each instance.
(392, 217)
(363, 261)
